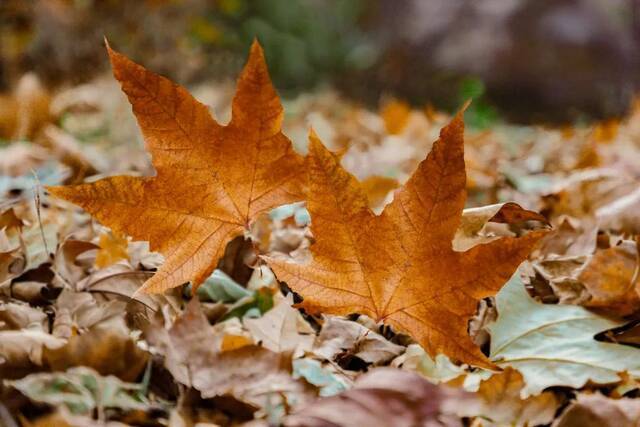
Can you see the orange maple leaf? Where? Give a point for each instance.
(211, 180)
(400, 267)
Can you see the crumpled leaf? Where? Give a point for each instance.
(212, 181)
(554, 345)
(250, 373)
(382, 397)
(397, 267)
(475, 219)
(339, 336)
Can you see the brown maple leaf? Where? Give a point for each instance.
(211, 180)
(400, 267)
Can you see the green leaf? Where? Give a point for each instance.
(81, 389)
(222, 288)
(554, 345)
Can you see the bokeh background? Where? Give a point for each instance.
(549, 61)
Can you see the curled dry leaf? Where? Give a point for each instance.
(211, 180)
(340, 336)
(397, 267)
(250, 373)
(474, 220)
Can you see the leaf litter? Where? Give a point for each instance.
(81, 345)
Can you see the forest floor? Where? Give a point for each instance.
(79, 348)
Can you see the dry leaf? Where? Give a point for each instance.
(400, 267)
(382, 397)
(554, 345)
(500, 403)
(396, 116)
(282, 329)
(339, 336)
(609, 277)
(107, 350)
(596, 410)
(212, 181)
(113, 248)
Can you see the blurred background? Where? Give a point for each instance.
(527, 61)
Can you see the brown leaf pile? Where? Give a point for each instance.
(386, 265)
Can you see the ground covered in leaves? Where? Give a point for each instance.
(79, 346)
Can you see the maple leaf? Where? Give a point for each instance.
(211, 181)
(400, 267)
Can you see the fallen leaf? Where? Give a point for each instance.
(234, 342)
(246, 373)
(571, 238)
(400, 267)
(106, 350)
(113, 248)
(621, 214)
(21, 350)
(187, 340)
(320, 376)
(596, 410)
(437, 370)
(554, 345)
(81, 390)
(220, 287)
(341, 336)
(212, 181)
(382, 397)
(474, 226)
(395, 115)
(282, 329)
(609, 278)
(66, 263)
(501, 405)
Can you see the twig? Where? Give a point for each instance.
(36, 195)
(636, 271)
(122, 273)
